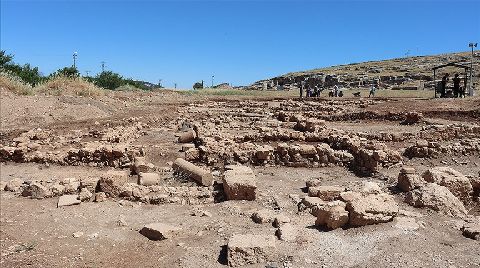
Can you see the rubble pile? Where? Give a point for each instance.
(110, 147)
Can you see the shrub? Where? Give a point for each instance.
(109, 80)
(198, 85)
(66, 71)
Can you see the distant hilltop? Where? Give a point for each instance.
(411, 73)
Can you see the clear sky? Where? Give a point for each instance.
(237, 41)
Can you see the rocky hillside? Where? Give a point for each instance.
(402, 73)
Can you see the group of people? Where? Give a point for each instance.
(316, 90)
(458, 92)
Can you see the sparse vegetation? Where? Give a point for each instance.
(15, 84)
(62, 85)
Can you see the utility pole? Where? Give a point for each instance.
(470, 91)
(103, 66)
(213, 76)
(175, 85)
(75, 59)
(159, 83)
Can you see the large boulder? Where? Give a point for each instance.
(264, 153)
(36, 190)
(112, 181)
(409, 180)
(458, 184)
(13, 185)
(371, 209)
(239, 183)
(249, 249)
(263, 216)
(333, 215)
(68, 200)
(436, 197)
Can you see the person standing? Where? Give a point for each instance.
(443, 92)
(456, 86)
(372, 92)
(300, 85)
(335, 91)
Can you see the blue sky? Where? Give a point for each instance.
(237, 41)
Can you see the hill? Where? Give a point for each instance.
(401, 73)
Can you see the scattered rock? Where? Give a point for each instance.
(85, 195)
(406, 223)
(239, 184)
(456, 182)
(140, 165)
(111, 183)
(36, 190)
(90, 183)
(263, 216)
(371, 209)
(100, 197)
(159, 231)
(371, 187)
(313, 182)
(286, 232)
(280, 220)
(333, 215)
(77, 234)
(188, 136)
(471, 229)
(328, 193)
(186, 169)
(57, 189)
(249, 249)
(409, 180)
(436, 197)
(148, 179)
(14, 185)
(68, 200)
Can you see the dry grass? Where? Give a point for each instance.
(128, 87)
(14, 84)
(61, 85)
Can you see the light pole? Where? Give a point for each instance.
(213, 76)
(74, 59)
(470, 91)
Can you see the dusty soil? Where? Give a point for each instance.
(35, 233)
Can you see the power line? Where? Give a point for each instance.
(103, 66)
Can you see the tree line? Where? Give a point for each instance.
(32, 76)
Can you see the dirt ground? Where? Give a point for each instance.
(35, 233)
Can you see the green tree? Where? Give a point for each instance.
(67, 71)
(5, 59)
(109, 80)
(198, 85)
(27, 73)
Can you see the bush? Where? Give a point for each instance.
(198, 85)
(66, 71)
(109, 80)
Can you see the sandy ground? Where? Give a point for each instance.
(35, 233)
